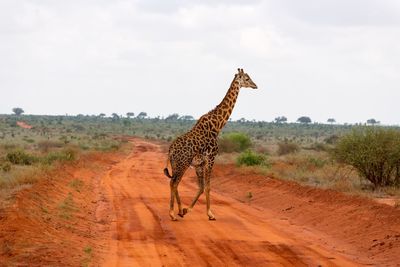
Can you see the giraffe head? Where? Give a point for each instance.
(244, 79)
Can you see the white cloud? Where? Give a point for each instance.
(317, 58)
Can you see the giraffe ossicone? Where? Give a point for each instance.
(198, 147)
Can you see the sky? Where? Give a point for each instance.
(319, 58)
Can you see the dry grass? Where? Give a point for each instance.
(21, 174)
(316, 168)
(226, 158)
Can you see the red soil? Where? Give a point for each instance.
(24, 125)
(121, 214)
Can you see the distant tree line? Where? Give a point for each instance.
(175, 117)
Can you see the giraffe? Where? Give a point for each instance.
(198, 147)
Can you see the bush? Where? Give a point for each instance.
(287, 148)
(5, 167)
(374, 152)
(251, 158)
(234, 142)
(20, 157)
(63, 155)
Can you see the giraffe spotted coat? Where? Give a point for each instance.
(199, 147)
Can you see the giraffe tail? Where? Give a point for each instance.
(166, 172)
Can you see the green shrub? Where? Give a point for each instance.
(287, 148)
(251, 158)
(316, 162)
(63, 155)
(20, 157)
(374, 152)
(234, 142)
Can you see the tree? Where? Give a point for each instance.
(304, 119)
(187, 118)
(280, 119)
(114, 116)
(102, 115)
(331, 120)
(18, 111)
(172, 117)
(130, 114)
(142, 115)
(372, 121)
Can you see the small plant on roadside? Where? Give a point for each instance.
(67, 207)
(76, 184)
(88, 256)
(251, 158)
(88, 250)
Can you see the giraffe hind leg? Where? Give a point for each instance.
(174, 182)
(172, 201)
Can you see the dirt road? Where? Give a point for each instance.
(143, 235)
(111, 209)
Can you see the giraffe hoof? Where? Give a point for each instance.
(211, 218)
(174, 219)
(183, 214)
(185, 210)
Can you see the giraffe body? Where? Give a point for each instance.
(199, 147)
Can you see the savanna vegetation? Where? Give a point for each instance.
(352, 158)
(31, 146)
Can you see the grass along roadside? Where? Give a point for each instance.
(62, 204)
(22, 166)
(317, 169)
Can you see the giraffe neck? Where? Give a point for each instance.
(225, 108)
(212, 123)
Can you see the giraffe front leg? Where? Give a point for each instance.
(211, 216)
